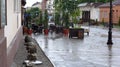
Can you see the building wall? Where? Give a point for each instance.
(95, 14)
(50, 6)
(13, 29)
(104, 14)
(13, 22)
(83, 9)
(116, 14)
(44, 4)
(3, 50)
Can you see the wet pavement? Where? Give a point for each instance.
(92, 51)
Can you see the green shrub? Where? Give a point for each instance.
(57, 18)
(103, 22)
(119, 21)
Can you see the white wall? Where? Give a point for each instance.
(84, 9)
(50, 6)
(13, 24)
(95, 14)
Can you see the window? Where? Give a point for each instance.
(112, 10)
(2, 13)
(116, 10)
(104, 14)
(17, 6)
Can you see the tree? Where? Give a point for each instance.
(57, 18)
(45, 19)
(41, 18)
(67, 8)
(66, 19)
(34, 12)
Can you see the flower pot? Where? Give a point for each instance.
(30, 31)
(46, 31)
(66, 32)
(25, 29)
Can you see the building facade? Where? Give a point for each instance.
(105, 10)
(44, 2)
(10, 30)
(50, 6)
(89, 11)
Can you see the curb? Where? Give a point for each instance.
(44, 53)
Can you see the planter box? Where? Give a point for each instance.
(59, 29)
(76, 32)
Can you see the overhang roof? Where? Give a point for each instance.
(90, 4)
(116, 2)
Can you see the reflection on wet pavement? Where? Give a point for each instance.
(92, 51)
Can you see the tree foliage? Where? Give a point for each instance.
(103, 1)
(71, 7)
(36, 15)
(57, 18)
(34, 12)
(41, 17)
(68, 8)
(45, 19)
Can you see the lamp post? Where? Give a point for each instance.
(110, 26)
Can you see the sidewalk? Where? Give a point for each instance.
(21, 55)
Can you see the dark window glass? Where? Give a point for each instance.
(116, 10)
(113, 10)
(2, 13)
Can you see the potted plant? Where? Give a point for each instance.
(57, 22)
(25, 29)
(97, 22)
(29, 31)
(41, 18)
(46, 22)
(66, 23)
(103, 22)
(119, 21)
(57, 18)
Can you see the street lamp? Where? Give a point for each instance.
(110, 26)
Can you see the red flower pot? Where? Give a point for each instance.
(66, 32)
(46, 31)
(25, 29)
(30, 31)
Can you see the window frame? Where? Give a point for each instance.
(0, 13)
(5, 14)
(17, 6)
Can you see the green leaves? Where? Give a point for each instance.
(41, 17)
(103, 1)
(57, 18)
(67, 8)
(45, 19)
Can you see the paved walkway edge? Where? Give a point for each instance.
(44, 53)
